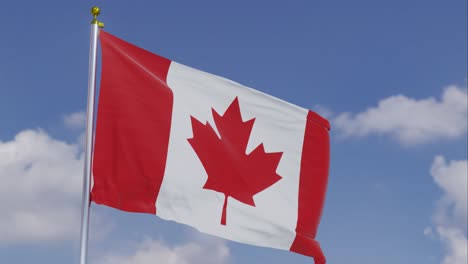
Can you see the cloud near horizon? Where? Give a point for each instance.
(409, 120)
(450, 216)
(41, 180)
(211, 251)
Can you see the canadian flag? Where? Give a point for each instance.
(207, 152)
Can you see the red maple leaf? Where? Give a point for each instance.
(230, 170)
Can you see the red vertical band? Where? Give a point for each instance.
(312, 186)
(133, 127)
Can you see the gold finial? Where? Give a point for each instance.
(95, 11)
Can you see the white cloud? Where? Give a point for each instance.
(151, 251)
(410, 120)
(452, 178)
(40, 188)
(75, 120)
(456, 245)
(450, 216)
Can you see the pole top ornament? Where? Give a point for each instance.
(95, 11)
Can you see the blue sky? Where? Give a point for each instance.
(391, 76)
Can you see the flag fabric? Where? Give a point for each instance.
(207, 152)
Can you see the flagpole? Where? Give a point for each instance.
(95, 24)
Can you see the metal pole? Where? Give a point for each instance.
(95, 11)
